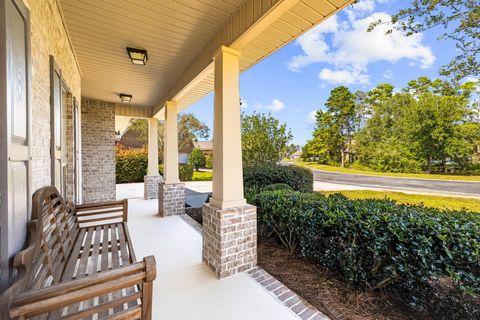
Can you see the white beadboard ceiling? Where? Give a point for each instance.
(174, 32)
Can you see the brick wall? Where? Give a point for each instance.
(98, 150)
(48, 37)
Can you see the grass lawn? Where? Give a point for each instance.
(314, 165)
(404, 198)
(202, 176)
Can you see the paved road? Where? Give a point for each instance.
(450, 187)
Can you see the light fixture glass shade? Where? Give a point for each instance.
(137, 56)
(125, 98)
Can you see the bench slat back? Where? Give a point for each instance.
(57, 229)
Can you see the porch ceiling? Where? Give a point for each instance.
(173, 32)
(181, 37)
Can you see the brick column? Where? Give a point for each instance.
(171, 199)
(229, 239)
(150, 186)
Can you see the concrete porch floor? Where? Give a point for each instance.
(185, 288)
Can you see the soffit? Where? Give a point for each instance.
(173, 32)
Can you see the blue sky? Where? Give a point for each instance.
(295, 81)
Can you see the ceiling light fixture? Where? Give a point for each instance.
(138, 56)
(125, 98)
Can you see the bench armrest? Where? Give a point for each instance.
(55, 298)
(102, 212)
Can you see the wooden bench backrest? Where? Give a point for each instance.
(56, 230)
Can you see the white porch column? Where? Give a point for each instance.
(171, 194)
(151, 180)
(170, 144)
(227, 146)
(153, 147)
(229, 224)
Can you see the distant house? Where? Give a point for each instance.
(205, 146)
(297, 154)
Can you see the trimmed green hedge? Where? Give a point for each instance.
(257, 178)
(376, 243)
(131, 166)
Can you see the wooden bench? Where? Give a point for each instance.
(79, 264)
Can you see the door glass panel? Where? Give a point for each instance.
(57, 110)
(18, 76)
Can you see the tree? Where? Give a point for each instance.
(197, 159)
(333, 134)
(435, 128)
(460, 20)
(381, 144)
(264, 139)
(426, 126)
(189, 129)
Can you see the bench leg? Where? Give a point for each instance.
(147, 300)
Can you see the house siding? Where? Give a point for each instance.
(98, 150)
(48, 37)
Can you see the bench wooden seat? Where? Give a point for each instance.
(79, 264)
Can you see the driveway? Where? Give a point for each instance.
(408, 185)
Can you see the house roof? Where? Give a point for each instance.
(203, 145)
(297, 153)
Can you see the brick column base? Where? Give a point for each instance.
(150, 186)
(171, 199)
(229, 239)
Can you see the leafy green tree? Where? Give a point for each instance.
(264, 139)
(435, 128)
(333, 134)
(197, 159)
(429, 124)
(189, 129)
(381, 144)
(460, 20)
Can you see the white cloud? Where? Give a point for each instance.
(244, 104)
(274, 106)
(343, 76)
(388, 74)
(352, 48)
(311, 118)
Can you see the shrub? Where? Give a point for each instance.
(209, 161)
(277, 186)
(130, 165)
(258, 177)
(196, 159)
(185, 172)
(376, 244)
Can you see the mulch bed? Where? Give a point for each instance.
(326, 292)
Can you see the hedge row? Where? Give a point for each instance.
(376, 243)
(299, 179)
(131, 166)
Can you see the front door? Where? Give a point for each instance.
(15, 111)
